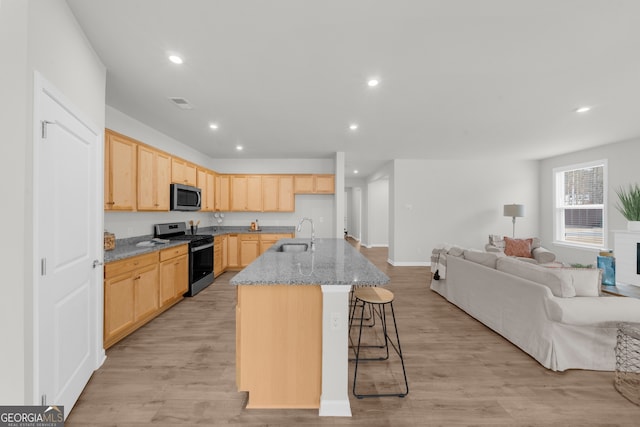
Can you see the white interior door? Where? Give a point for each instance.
(68, 292)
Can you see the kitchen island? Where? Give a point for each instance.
(292, 324)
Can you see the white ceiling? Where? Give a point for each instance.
(458, 78)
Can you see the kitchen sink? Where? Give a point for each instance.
(293, 247)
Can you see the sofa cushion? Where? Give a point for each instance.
(543, 255)
(487, 259)
(556, 279)
(603, 311)
(518, 247)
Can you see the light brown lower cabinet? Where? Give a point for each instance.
(249, 248)
(279, 345)
(240, 250)
(174, 274)
(136, 290)
(268, 240)
(233, 260)
(217, 256)
(225, 251)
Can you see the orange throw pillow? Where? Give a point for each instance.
(518, 247)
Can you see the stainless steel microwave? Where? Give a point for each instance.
(185, 198)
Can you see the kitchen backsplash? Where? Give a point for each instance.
(318, 207)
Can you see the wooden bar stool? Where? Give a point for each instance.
(377, 298)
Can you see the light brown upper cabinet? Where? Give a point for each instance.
(324, 184)
(314, 184)
(119, 172)
(183, 172)
(206, 182)
(154, 177)
(277, 193)
(246, 193)
(137, 177)
(222, 199)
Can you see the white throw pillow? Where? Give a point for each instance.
(455, 251)
(543, 255)
(556, 279)
(586, 281)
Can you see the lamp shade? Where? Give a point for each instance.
(514, 210)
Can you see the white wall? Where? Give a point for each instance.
(38, 36)
(357, 210)
(126, 125)
(623, 158)
(378, 208)
(356, 213)
(14, 81)
(457, 202)
(320, 208)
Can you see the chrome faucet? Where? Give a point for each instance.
(313, 231)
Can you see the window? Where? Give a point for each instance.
(580, 198)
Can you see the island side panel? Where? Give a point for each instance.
(279, 345)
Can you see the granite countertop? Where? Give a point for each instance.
(334, 262)
(126, 248)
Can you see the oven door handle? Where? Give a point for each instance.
(203, 247)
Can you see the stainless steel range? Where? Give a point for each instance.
(200, 253)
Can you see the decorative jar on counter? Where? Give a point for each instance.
(109, 241)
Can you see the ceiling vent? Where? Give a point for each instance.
(181, 103)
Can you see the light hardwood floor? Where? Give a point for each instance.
(179, 370)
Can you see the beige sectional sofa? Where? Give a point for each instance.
(556, 315)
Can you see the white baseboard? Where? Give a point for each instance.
(374, 245)
(334, 408)
(409, 264)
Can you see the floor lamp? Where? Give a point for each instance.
(514, 211)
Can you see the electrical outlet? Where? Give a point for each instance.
(321, 219)
(335, 321)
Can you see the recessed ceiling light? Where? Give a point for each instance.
(213, 126)
(355, 171)
(583, 109)
(239, 147)
(175, 59)
(353, 126)
(373, 82)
